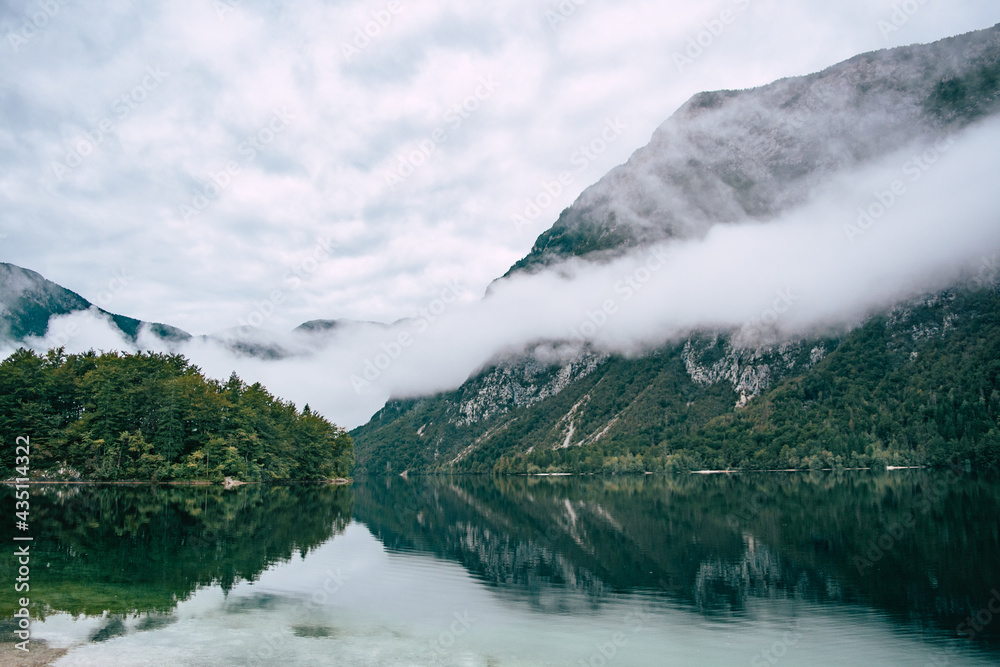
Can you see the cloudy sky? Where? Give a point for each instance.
(818, 267)
(193, 159)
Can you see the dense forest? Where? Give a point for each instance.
(139, 549)
(151, 416)
(917, 386)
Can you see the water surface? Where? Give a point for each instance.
(763, 569)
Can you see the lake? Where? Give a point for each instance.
(850, 568)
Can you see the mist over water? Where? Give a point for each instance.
(921, 220)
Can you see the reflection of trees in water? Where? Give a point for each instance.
(131, 549)
(714, 542)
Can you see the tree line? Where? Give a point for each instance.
(155, 416)
(917, 386)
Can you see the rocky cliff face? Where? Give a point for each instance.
(861, 388)
(520, 381)
(748, 370)
(725, 157)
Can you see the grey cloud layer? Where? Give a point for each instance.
(77, 80)
(806, 271)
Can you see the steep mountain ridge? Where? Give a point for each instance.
(917, 385)
(728, 157)
(732, 156)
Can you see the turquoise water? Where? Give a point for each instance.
(804, 569)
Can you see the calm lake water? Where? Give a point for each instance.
(763, 569)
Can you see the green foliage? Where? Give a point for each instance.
(575, 233)
(968, 97)
(156, 417)
(128, 549)
(919, 387)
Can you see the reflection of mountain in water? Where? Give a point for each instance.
(715, 543)
(126, 550)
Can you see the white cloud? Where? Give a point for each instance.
(814, 268)
(81, 331)
(324, 176)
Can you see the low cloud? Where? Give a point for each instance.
(864, 241)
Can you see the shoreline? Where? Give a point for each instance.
(731, 471)
(345, 481)
(340, 481)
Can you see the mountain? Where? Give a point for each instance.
(331, 326)
(28, 301)
(733, 156)
(917, 384)
(303, 340)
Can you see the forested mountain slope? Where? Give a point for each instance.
(916, 384)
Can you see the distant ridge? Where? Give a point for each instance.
(28, 301)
